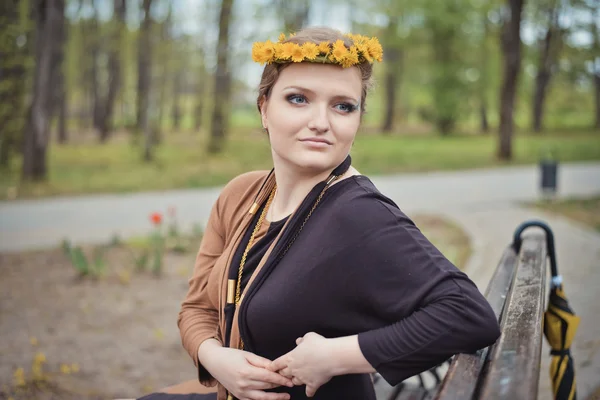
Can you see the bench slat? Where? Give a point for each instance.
(462, 376)
(514, 360)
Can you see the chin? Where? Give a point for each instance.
(315, 163)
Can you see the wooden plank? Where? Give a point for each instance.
(464, 372)
(411, 393)
(514, 366)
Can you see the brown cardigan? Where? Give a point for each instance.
(375, 272)
(201, 315)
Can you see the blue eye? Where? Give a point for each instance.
(346, 107)
(296, 99)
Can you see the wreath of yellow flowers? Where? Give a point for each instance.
(362, 49)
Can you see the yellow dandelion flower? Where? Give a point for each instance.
(297, 53)
(339, 51)
(256, 51)
(351, 57)
(278, 47)
(281, 37)
(363, 50)
(19, 377)
(267, 52)
(65, 369)
(33, 340)
(310, 50)
(324, 48)
(40, 358)
(375, 49)
(287, 50)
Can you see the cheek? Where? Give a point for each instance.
(347, 127)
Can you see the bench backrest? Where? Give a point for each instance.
(510, 368)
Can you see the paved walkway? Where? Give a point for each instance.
(484, 202)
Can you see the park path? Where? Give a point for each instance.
(486, 203)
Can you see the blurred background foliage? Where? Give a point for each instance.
(127, 95)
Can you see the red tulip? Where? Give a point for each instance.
(156, 218)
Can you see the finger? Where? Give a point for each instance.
(278, 364)
(261, 385)
(310, 391)
(271, 377)
(299, 340)
(260, 395)
(286, 372)
(297, 381)
(258, 361)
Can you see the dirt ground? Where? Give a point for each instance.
(66, 338)
(101, 338)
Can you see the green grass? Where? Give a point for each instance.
(585, 211)
(182, 162)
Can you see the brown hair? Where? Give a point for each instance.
(315, 35)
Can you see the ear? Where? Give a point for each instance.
(263, 111)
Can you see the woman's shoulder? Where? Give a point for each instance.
(242, 186)
(358, 202)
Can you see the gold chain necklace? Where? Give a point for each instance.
(238, 288)
(255, 231)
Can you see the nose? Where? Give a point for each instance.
(319, 122)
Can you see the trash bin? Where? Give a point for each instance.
(549, 176)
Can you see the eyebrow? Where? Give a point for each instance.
(340, 97)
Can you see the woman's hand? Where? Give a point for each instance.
(244, 374)
(310, 363)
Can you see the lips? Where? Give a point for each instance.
(316, 140)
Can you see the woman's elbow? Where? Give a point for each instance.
(485, 330)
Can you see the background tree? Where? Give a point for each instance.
(511, 51)
(549, 45)
(293, 13)
(117, 27)
(222, 87)
(48, 16)
(14, 57)
(144, 80)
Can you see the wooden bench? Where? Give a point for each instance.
(510, 368)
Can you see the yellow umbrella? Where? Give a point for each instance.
(560, 322)
(560, 325)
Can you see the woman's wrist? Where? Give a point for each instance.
(347, 358)
(205, 348)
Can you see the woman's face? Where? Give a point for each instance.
(312, 115)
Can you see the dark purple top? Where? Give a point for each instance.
(361, 266)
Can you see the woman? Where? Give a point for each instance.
(308, 278)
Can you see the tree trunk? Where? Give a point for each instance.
(114, 70)
(59, 91)
(63, 136)
(222, 82)
(294, 14)
(48, 15)
(393, 74)
(485, 125)
(13, 58)
(596, 63)
(544, 72)
(484, 77)
(144, 60)
(199, 109)
(94, 46)
(511, 50)
(176, 110)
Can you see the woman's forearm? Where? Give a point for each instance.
(205, 349)
(347, 358)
